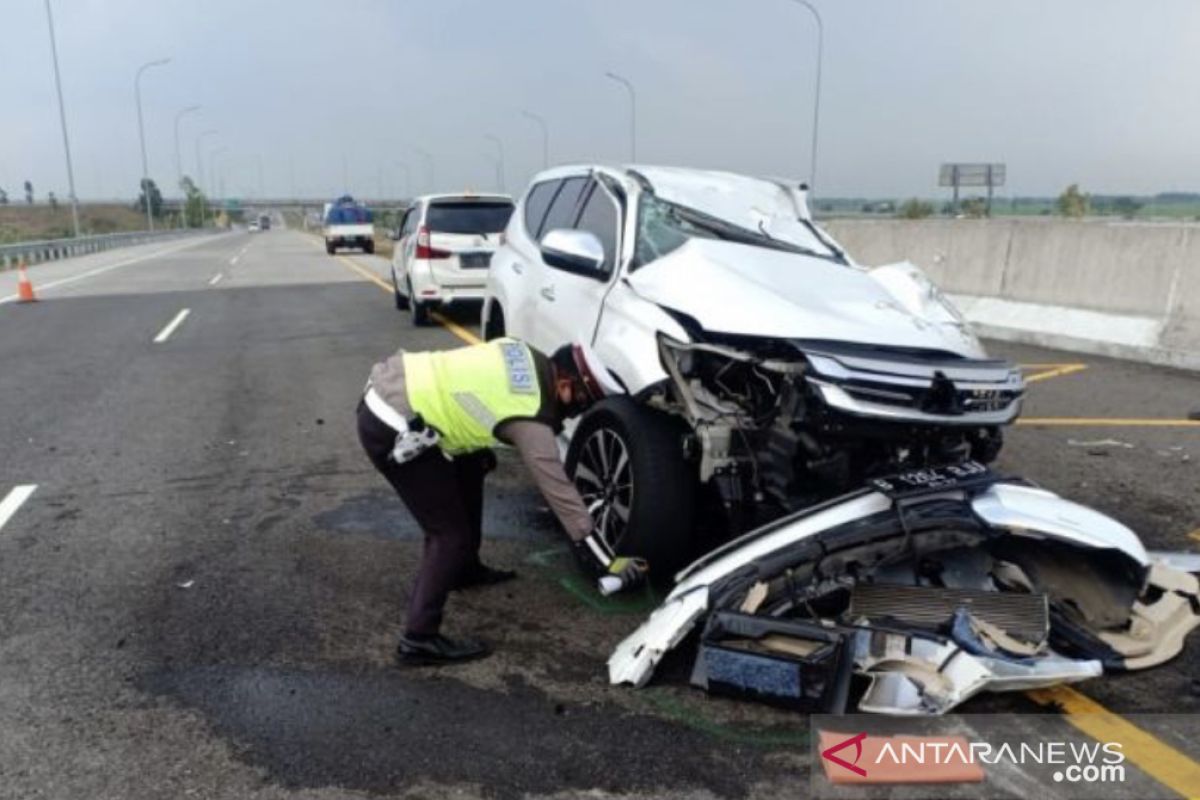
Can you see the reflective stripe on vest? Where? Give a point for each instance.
(466, 392)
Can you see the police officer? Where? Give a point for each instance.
(427, 421)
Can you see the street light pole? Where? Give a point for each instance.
(407, 178)
(812, 169)
(632, 112)
(212, 170)
(429, 167)
(137, 91)
(62, 118)
(545, 136)
(500, 163)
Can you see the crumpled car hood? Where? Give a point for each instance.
(740, 289)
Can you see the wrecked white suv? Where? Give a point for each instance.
(767, 371)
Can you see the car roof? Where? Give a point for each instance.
(714, 191)
(426, 198)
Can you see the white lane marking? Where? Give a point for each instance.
(233, 261)
(216, 279)
(41, 287)
(165, 333)
(13, 501)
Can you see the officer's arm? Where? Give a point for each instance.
(536, 443)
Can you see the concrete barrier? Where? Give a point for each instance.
(1116, 288)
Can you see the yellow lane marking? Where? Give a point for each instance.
(456, 329)
(1108, 422)
(450, 325)
(1051, 371)
(1150, 754)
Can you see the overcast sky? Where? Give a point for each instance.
(1101, 92)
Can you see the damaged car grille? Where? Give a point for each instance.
(925, 390)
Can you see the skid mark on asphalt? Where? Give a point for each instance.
(14, 500)
(166, 332)
(1042, 372)
(1150, 754)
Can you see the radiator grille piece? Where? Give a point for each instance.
(1024, 616)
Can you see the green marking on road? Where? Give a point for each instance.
(585, 592)
(692, 715)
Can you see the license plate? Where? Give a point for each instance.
(934, 479)
(474, 260)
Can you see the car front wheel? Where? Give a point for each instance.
(627, 461)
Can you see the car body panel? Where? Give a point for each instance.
(1020, 510)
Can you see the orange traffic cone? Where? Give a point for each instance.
(24, 287)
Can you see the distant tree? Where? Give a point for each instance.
(52, 200)
(1073, 203)
(193, 207)
(3, 198)
(974, 207)
(1127, 207)
(914, 209)
(156, 201)
(28, 192)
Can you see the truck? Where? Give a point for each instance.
(348, 224)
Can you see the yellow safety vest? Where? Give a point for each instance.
(465, 393)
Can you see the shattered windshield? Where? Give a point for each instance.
(664, 226)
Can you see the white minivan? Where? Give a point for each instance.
(443, 249)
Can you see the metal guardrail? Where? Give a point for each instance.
(36, 252)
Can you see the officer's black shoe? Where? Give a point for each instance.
(483, 575)
(437, 649)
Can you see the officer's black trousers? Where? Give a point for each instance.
(446, 498)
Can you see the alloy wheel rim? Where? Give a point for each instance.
(604, 477)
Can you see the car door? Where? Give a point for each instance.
(516, 266)
(570, 301)
(401, 260)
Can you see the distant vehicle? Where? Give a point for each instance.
(348, 224)
(264, 222)
(253, 226)
(443, 249)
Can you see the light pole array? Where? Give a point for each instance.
(429, 167)
(204, 189)
(632, 112)
(812, 169)
(137, 91)
(407, 178)
(62, 118)
(545, 136)
(500, 160)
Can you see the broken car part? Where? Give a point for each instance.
(979, 585)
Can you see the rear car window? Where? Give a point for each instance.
(468, 217)
(348, 215)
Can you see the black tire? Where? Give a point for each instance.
(401, 300)
(420, 311)
(659, 523)
(369, 248)
(330, 248)
(495, 324)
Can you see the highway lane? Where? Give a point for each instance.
(202, 592)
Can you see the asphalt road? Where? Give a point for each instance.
(201, 595)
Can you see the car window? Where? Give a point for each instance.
(348, 215)
(409, 223)
(468, 216)
(536, 203)
(565, 207)
(599, 216)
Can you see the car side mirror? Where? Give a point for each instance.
(577, 251)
